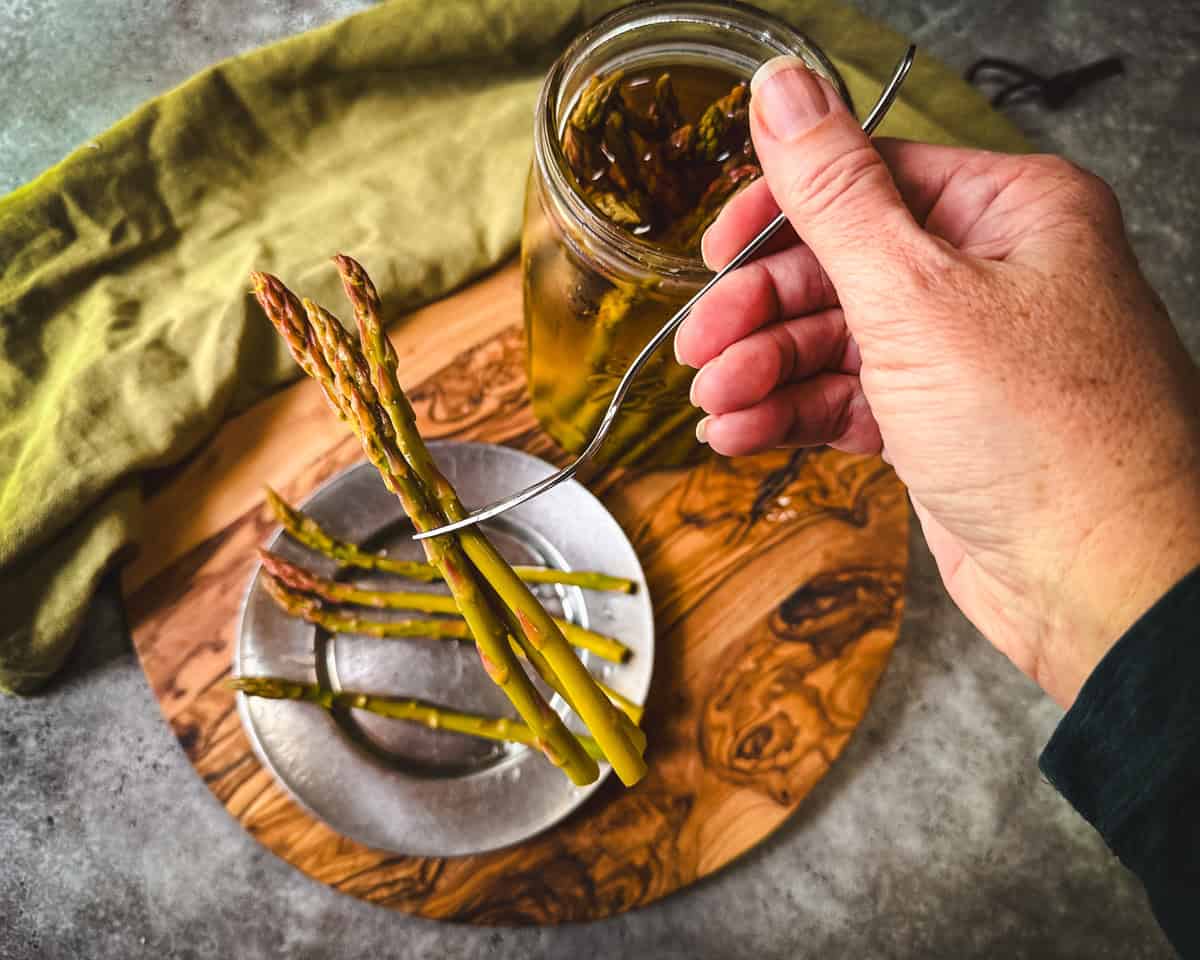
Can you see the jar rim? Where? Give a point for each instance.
(752, 22)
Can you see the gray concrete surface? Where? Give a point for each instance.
(934, 836)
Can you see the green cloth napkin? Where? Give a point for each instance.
(400, 135)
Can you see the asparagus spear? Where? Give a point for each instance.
(679, 144)
(715, 122)
(287, 314)
(353, 381)
(666, 104)
(582, 154)
(627, 211)
(300, 579)
(310, 608)
(634, 711)
(662, 185)
(617, 150)
(314, 611)
(537, 626)
(613, 310)
(336, 365)
(415, 711)
(304, 530)
(686, 232)
(592, 106)
(627, 718)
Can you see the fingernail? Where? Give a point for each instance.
(702, 430)
(788, 97)
(696, 380)
(883, 455)
(704, 249)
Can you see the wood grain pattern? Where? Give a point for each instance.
(777, 582)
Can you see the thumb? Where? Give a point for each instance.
(828, 178)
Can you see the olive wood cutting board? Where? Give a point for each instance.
(777, 584)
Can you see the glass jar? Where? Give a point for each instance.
(595, 293)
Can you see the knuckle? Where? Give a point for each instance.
(1101, 199)
(1051, 165)
(834, 182)
(924, 264)
(841, 413)
(821, 290)
(919, 271)
(754, 282)
(1075, 189)
(748, 370)
(781, 361)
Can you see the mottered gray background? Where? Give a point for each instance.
(933, 836)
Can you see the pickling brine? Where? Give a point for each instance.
(641, 137)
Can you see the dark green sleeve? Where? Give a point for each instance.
(1127, 757)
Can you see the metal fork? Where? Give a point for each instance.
(878, 112)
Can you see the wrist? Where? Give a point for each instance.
(1121, 569)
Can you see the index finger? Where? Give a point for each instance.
(739, 221)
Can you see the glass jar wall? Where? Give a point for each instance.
(594, 293)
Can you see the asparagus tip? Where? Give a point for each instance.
(254, 686)
(280, 509)
(267, 285)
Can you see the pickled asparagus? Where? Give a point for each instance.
(601, 718)
(310, 608)
(335, 362)
(297, 578)
(306, 531)
(415, 711)
(644, 161)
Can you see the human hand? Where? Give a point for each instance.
(982, 319)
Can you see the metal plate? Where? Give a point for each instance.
(403, 787)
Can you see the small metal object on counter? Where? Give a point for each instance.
(400, 786)
(886, 98)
